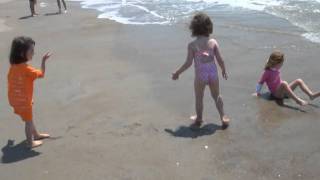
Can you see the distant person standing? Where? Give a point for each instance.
(64, 5)
(33, 4)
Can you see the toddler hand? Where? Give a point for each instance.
(46, 56)
(175, 76)
(256, 94)
(224, 75)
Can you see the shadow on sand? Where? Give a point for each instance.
(280, 102)
(47, 14)
(194, 132)
(52, 14)
(25, 17)
(14, 153)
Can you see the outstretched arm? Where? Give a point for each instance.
(220, 61)
(186, 65)
(43, 63)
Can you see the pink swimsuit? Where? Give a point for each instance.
(205, 67)
(272, 78)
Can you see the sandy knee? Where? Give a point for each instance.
(284, 83)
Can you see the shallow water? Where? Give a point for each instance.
(302, 13)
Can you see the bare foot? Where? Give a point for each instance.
(225, 122)
(34, 144)
(41, 136)
(314, 96)
(65, 11)
(197, 121)
(256, 94)
(302, 102)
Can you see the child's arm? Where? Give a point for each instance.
(258, 89)
(186, 65)
(43, 63)
(260, 84)
(220, 60)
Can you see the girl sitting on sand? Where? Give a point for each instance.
(20, 85)
(204, 51)
(278, 88)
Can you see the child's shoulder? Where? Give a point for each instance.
(29, 68)
(213, 41)
(19, 66)
(192, 45)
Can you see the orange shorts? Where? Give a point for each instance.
(24, 113)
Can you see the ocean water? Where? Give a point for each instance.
(302, 13)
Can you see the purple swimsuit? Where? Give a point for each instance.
(205, 66)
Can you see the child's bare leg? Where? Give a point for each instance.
(37, 135)
(285, 89)
(199, 88)
(59, 5)
(32, 7)
(304, 88)
(64, 4)
(29, 130)
(315, 95)
(215, 93)
(299, 82)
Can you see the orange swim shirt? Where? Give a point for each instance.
(20, 89)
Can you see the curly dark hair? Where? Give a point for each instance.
(20, 46)
(201, 25)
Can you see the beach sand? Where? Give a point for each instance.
(114, 113)
(3, 26)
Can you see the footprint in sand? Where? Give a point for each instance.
(129, 129)
(132, 126)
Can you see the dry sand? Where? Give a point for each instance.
(114, 113)
(4, 1)
(3, 26)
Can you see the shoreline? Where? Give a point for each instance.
(216, 10)
(114, 113)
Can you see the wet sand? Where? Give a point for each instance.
(114, 113)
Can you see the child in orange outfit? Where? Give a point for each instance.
(20, 85)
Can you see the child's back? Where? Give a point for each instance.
(20, 85)
(204, 59)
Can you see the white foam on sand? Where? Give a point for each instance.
(314, 37)
(302, 13)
